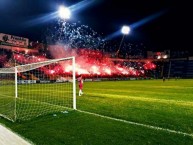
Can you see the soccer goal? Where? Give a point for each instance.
(31, 90)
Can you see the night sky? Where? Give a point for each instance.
(165, 24)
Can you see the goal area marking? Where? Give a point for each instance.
(139, 124)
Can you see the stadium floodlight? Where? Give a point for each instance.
(125, 31)
(164, 56)
(31, 90)
(64, 12)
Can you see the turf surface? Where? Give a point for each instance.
(168, 105)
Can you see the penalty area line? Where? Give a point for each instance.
(139, 124)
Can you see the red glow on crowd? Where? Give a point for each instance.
(90, 63)
(149, 66)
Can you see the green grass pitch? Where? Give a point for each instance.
(167, 105)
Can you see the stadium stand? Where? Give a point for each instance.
(189, 73)
(179, 64)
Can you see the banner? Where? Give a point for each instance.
(26, 81)
(11, 40)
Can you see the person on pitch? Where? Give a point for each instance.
(80, 84)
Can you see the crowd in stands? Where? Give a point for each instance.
(91, 63)
(94, 63)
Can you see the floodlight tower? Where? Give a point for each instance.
(163, 57)
(64, 14)
(125, 31)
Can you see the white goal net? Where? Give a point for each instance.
(31, 90)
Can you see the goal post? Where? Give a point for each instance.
(31, 90)
(74, 82)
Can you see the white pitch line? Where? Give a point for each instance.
(140, 124)
(7, 137)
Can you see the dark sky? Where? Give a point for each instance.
(168, 24)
